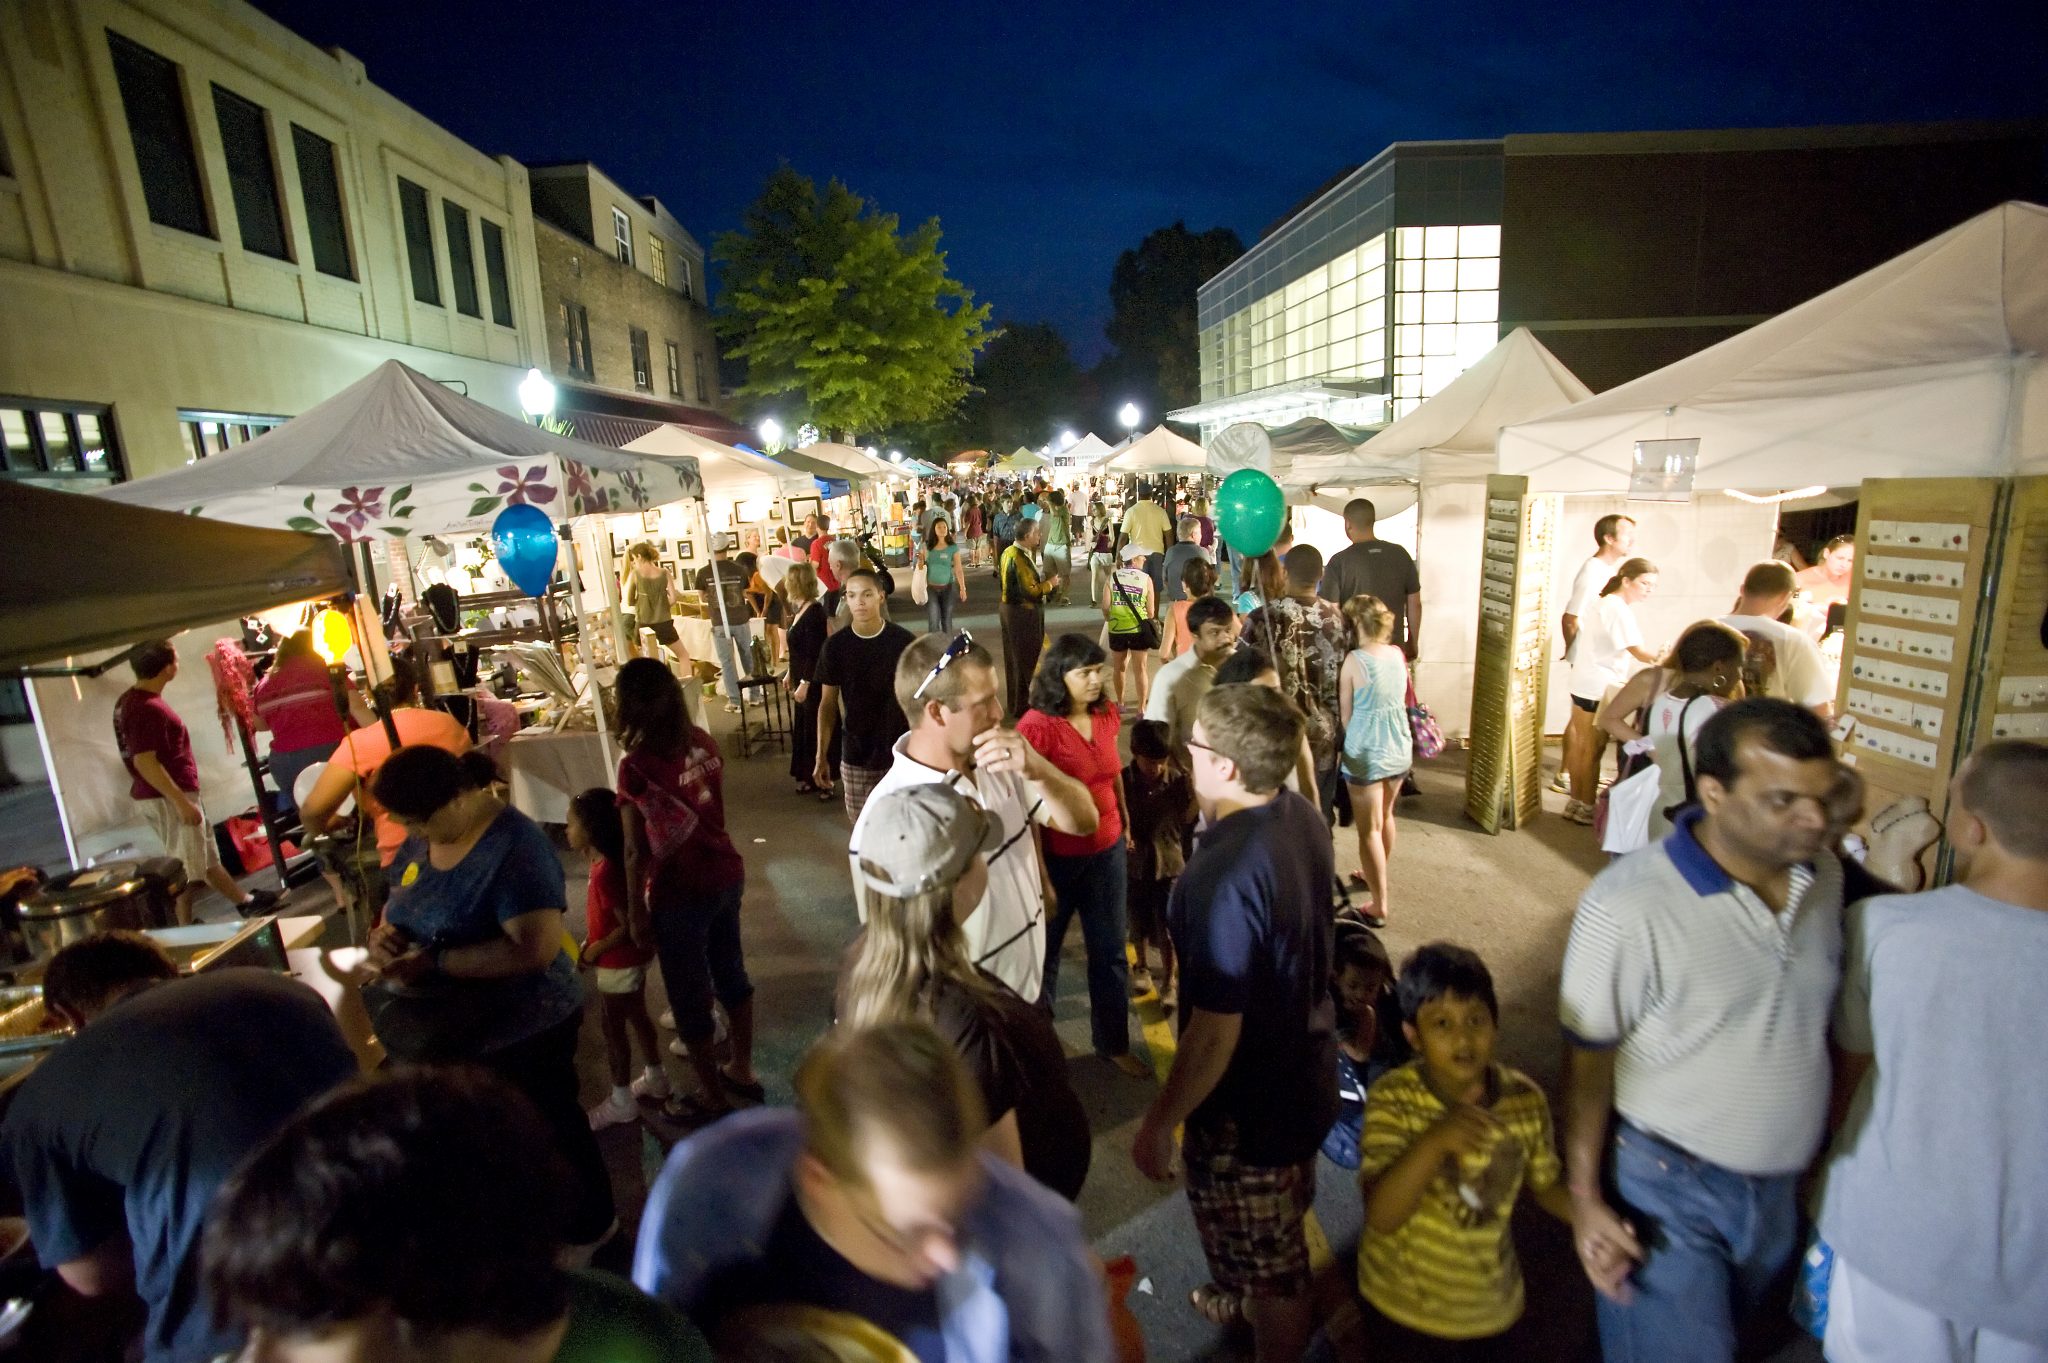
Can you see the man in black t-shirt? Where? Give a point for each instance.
(725, 601)
(1255, 1077)
(1373, 567)
(858, 667)
(119, 1138)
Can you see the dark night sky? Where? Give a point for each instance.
(1047, 136)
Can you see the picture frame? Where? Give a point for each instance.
(800, 507)
(685, 551)
(650, 521)
(774, 511)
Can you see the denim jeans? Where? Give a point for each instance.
(938, 607)
(1718, 1246)
(733, 643)
(1093, 888)
(697, 941)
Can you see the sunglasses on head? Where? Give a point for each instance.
(955, 650)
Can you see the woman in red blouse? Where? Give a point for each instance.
(1073, 723)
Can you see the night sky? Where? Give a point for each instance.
(1049, 136)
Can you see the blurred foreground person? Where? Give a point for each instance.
(418, 1217)
(872, 1207)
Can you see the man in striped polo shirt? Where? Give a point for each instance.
(1697, 988)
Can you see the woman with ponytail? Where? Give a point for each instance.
(1608, 650)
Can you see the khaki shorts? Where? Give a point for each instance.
(622, 979)
(192, 846)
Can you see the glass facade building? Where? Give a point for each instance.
(1365, 302)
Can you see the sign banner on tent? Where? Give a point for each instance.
(1663, 470)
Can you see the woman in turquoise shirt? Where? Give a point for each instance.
(944, 588)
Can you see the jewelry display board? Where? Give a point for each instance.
(2014, 677)
(1503, 774)
(1914, 626)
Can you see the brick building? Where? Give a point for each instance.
(622, 284)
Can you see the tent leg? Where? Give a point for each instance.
(604, 735)
(35, 712)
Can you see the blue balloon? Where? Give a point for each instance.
(524, 540)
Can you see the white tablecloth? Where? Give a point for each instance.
(547, 769)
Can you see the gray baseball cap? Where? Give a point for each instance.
(921, 838)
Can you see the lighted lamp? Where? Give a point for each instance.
(332, 637)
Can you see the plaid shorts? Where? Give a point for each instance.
(1249, 1216)
(856, 784)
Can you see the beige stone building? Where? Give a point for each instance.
(629, 337)
(208, 224)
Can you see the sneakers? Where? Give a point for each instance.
(616, 1110)
(1578, 812)
(668, 1019)
(652, 1083)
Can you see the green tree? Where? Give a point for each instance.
(1152, 319)
(829, 304)
(1026, 386)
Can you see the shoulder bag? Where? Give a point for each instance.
(1148, 628)
(920, 584)
(1429, 735)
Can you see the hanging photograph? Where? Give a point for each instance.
(685, 551)
(800, 507)
(650, 521)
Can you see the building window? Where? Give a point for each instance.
(494, 272)
(576, 330)
(675, 370)
(209, 433)
(643, 375)
(419, 242)
(683, 263)
(59, 439)
(153, 98)
(697, 362)
(320, 187)
(622, 235)
(657, 258)
(461, 259)
(245, 140)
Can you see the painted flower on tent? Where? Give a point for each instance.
(634, 490)
(577, 487)
(528, 489)
(358, 507)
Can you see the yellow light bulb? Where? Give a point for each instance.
(332, 637)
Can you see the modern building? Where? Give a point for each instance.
(1622, 252)
(629, 333)
(208, 225)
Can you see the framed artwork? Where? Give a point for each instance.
(620, 544)
(650, 521)
(672, 568)
(800, 507)
(685, 551)
(774, 511)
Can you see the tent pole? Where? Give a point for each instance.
(604, 735)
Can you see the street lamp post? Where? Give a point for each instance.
(1130, 416)
(771, 431)
(536, 396)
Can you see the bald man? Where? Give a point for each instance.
(1941, 1159)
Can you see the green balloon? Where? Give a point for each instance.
(1250, 511)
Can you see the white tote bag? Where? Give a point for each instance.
(1628, 810)
(920, 589)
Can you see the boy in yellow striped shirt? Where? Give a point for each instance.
(1450, 1140)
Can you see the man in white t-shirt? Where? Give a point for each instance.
(1615, 536)
(947, 688)
(1783, 660)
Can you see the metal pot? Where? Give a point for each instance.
(136, 895)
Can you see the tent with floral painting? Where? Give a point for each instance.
(397, 453)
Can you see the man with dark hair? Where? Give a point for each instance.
(1782, 661)
(873, 1199)
(1255, 1077)
(1022, 595)
(1696, 990)
(1178, 689)
(1309, 640)
(1941, 1159)
(119, 1138)
(857, 667)
(722, 583)
(821, 547)
(1614, 539)
(322, 1246)
(946, 689)
(163, 780)
(1372, 567)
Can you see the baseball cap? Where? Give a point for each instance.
(920, 839)
(1136, 550)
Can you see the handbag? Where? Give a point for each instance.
(1148, 628)
(434, 1021)
(1627, 805)
(1428, 734)
(920, 586)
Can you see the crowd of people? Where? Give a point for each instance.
(1746, 1007)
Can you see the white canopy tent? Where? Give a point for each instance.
(738, 473)
(1160, 451)
(1929, 363)
(856, 463)
(1085, 453)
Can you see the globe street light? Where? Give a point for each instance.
(771, 431)
(536, 395)
(1130, 416)
(1068, 440)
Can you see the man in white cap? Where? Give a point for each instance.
(947, 689)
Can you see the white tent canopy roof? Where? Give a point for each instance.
(858, 463)
(1928, 364)
(723, 467)
(1090, 450)
(1160, 451)
(397, 453)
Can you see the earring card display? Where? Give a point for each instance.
(1503, 773)
(1922, 554)
(2015, 671)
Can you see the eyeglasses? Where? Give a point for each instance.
(962, 642)
(1203, 746)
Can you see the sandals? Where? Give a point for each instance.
(1218, 1307)
(753, 1092)
(692, 1110)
